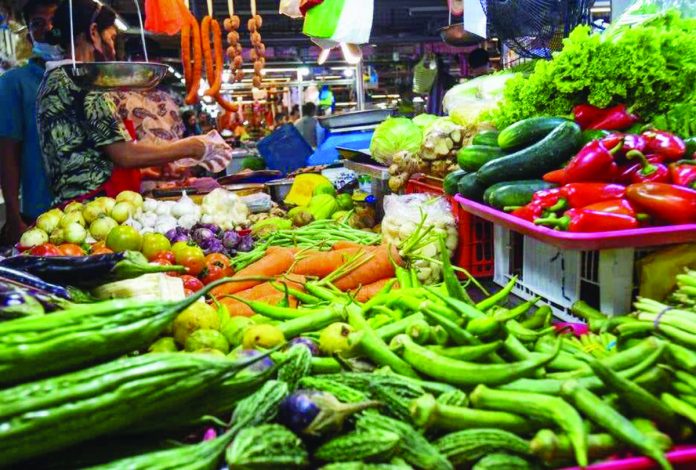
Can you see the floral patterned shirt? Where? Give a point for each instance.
(74, 124)
(155, 114)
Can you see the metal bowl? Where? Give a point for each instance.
(456, 35)
(278, 189)
(116, 75)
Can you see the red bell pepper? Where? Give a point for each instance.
(579, 195)
(594, 162)
(588, 220)
(615, 206)
(547, 197)
(665, 202)
(612, 140)
(633, 142)
(616, 118)
(683, 173)
(555, 176)
(530, 212)
(657, 172)
(671, 147)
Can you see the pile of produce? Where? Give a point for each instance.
(651, 65)
(616, 181)
(429, 144)
(414, 377)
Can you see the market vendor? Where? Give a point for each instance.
(86, 147)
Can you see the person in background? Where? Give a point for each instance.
(205, 123)
(479, 63)
(294, 114)
(280, 119)
(307, 124)
(21, 164)
(191, 126)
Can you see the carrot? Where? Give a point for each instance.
(275, 262)
(378, 266)
(365, 293)
(342, 244)
(192, 95)
(235, 308)
(323, 263)
(265, 289)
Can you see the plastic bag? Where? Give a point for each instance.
(403, 214)
(290, 8)
(258, 202)
(643, 10)
(657, 271)
(347, 21)
(465, 103)
(165, 16)
(217, 154)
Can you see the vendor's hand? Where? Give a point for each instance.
(12, 230)
(211, 152)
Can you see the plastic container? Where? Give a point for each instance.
(681, 457)
(284, 150)
(475, 249)
(563, 268)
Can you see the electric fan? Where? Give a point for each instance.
(535, 28)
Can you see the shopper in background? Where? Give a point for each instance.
(280, 119)
(205, 123)
(21, 165)
(191, 126)
(307, 124)
(479, 63)
(294, 114)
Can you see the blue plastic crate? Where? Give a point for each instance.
(285, 149)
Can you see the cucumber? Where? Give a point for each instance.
(449, 184)
(532, 162)
(473, 157)
(470, 187)
(527, 131)
(489, 138)
(513, 193)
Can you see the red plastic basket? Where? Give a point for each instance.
(475, 250)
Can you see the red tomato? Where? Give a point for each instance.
(45, 249)
(212, 272)
(70, 249)
(164, 262)
(166, 255)
(188, 292)
(220, 260)
(192, 258)
(192, 283)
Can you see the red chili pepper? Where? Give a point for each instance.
(594, 162)
(665, 202)
(615, 206)
(627, 170)
(633, 142)
(656, 172)
(671, 147)
(616, 118)
(683, 173)
(586, 115)
(580, 195)
(530, 212)
(612, 140)
(547, 197)
(587, 220)
(555, 176)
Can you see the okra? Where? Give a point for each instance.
(387, 332)
(535, 405)
(682, 357)
(639, 400)
(463, 373)
(680, 407)
(583, 310)
(540, 318)
(458, 335)
(451, 281)
(426, 412)
(325, 365)
(312, 321)
(499, 297)
(556, 450)
(612, 421)
(462, 308)
(468, 353)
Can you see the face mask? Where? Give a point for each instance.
(47, 51)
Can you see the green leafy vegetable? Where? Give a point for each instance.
(398, 134)
(651, 68)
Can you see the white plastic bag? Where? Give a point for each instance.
(218, 154)
(290, 8)
(403, 214)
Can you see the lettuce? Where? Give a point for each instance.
(395, 135)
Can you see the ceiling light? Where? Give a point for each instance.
(348, 72)
(304, 71)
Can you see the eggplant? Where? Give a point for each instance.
(14, 276)
(19, 300)
(86, 271)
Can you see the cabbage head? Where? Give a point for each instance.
(424, 120)
(396, 134)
